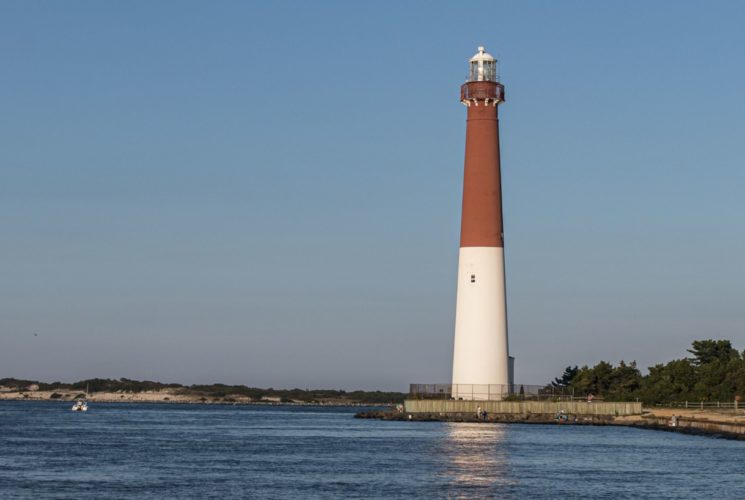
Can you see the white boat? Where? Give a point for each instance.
(80, 405)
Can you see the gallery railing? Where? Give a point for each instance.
(494, 392)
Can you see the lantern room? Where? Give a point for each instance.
(483, 67)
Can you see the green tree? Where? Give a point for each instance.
(673, 381)
(566, 378)
(707, 351)
(625, 382)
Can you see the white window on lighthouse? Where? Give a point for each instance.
(473, 278)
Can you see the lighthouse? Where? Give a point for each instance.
(482, 367)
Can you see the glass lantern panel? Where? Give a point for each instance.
(490, 71)
(474, 73)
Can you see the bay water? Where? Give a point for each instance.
(120, 450)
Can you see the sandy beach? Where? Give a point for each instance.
(126, 397)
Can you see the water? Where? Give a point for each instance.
(202, 451)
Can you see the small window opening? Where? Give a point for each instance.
(473, 278)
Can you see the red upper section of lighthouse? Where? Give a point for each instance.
(481, 219)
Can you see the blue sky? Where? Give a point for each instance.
(269, 193)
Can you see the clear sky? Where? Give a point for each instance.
(268, 193)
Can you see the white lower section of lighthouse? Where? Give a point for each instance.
(481, 364)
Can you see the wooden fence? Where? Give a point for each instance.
(522, 407)
(703, 405)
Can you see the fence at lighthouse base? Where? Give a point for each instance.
(550, 409)
(491, 392)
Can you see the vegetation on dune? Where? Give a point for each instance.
(715, 372)
(223, 392)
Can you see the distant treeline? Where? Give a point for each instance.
(212, 391)
(714, 372)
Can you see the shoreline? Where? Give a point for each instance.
(708, 423)
(222, 403)
(156, 397)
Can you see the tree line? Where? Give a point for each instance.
(714, 372)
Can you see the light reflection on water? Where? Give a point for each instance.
(476, 455)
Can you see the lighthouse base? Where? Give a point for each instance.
(481, 353)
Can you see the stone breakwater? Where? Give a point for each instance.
(727, 426)
(522, 418)
(686, 425)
